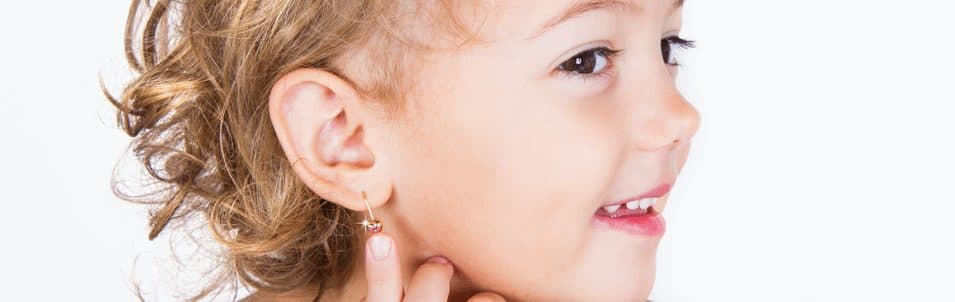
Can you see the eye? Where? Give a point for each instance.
(667, 48)
(591, 61)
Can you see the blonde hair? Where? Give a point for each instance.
(197, 113)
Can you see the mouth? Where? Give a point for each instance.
(636, 215)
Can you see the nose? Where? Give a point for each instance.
(666, 119)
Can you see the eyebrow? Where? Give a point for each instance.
(582, 7)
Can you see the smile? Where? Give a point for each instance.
(636, 216)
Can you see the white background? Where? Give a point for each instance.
(823, 170)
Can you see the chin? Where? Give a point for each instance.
(637, 292)
(616, 282)
(624, 283)
(633, 293)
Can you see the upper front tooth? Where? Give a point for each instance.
(633, 204)
(611, 209)
(653, 201)
(645, 203)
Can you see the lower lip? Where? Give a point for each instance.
(647, 225)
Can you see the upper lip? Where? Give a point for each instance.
(658, 191)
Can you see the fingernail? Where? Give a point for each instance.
(380, 247)
(438, 259)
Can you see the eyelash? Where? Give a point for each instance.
(609, 54)
(678, 42)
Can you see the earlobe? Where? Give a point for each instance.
(312, 112)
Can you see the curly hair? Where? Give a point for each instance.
(196, 111)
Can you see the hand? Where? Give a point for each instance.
(430, 283)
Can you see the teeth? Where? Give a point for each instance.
(611, 209)
(644, 204)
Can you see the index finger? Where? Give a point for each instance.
(382, 270)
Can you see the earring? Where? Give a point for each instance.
(373, 225)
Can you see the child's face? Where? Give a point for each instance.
(507, 159)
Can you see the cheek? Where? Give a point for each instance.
(507, 182)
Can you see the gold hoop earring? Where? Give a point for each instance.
(373, 225)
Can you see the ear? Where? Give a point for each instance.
(317, 117)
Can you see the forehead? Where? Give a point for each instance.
(498, 18)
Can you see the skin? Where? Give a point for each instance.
(501, 160)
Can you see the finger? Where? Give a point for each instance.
(431, 282)
(382, 271)
(486, 297)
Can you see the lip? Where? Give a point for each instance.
(648, 225)
(659, 191)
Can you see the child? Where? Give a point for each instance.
(519, 150)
